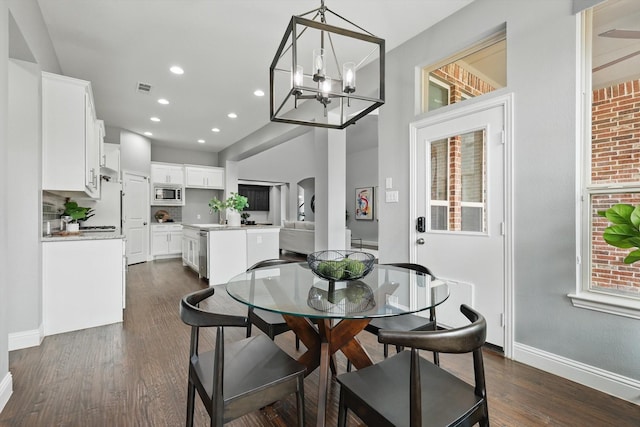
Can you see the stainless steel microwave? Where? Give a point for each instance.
(164, 195)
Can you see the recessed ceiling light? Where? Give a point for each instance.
(148, 133)
(163, 101)
(201, 141)
(176, 70)
(154, 119)
(232, 115)
(215, 130)
(258, 93)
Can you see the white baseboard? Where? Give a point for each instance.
(26, 339)
(590, 376)
(6, 388)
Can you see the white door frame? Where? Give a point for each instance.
(456, 111)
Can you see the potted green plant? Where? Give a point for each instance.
(233, 204)
(76, 213)
(625, 229)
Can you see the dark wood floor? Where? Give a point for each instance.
(135, 373)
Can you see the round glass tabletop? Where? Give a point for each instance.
(294, 289)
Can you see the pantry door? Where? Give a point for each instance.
(135, 216)
(458, 180)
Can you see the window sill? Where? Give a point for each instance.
(619, 306)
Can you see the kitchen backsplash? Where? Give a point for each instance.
(52, 208)
(174, 212)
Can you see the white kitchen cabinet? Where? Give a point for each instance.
(111, 159)
(167, 173)
(70, 140)
(227, 254)
(166, 240)
(191, 248)
(204, 177)
(83, 284)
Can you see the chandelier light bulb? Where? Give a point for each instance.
(349, 77)
(326, 87)
(298, 76)
(319, 70)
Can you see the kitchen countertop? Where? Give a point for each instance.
(218, 227)
(99, 235)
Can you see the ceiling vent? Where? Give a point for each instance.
(143, 88)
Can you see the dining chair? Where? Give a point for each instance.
(239, 377)
(406, 322)
(272, 324)
(379, 394)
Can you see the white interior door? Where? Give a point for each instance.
(459, 188)
(135, 219)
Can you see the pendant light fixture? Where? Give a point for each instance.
(310, 86)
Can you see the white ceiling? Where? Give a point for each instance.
(224, 46)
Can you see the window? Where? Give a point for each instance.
(612, 153)
(458, 179)
(475, 71)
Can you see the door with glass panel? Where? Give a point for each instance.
(460, 191)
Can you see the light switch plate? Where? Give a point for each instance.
(388, 183)
(391, 196)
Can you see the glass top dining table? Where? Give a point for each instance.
(293, 289)
(328, 315)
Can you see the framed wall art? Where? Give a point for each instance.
(364, 203)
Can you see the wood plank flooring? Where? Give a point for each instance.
(135, 373)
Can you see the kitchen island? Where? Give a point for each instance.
(220, 252)
(83, 280)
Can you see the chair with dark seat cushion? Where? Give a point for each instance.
(272, 324)
(391, 392)
(239, 377)
(406, 322)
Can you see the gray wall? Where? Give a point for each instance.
(25, 148)
(4, 244)
(135, 153)
(362, 171)
(183, 156)
(541, 72)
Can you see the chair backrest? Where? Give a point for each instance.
(415, 267)
(192, 315)
(269, 263)
(464, 339)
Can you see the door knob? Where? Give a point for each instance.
(144, 223)
(420, 241)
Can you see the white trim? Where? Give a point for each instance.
(607, 382)
(26, 339)
(618, 305)
(6, 389)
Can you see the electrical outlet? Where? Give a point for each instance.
(198, 216)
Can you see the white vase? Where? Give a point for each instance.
(73, 227)
(233, 218)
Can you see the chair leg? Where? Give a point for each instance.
(436, 358)
(191, 396)
(248, 330)
(300, 400)
(399, 348)
(342, 410)
(386, 351)
(297, 343)
(348, 365)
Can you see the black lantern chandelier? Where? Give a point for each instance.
(310, 86)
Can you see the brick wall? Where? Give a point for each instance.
(615, 147)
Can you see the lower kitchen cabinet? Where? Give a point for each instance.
(166, 240)
(83, 284)
(191, 247)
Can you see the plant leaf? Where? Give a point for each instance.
(632, 257)
(635, 217)
(620, 214)
(620, 235)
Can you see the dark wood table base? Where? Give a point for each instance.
(322, 343)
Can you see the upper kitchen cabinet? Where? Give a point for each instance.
(204, 177)
(70, 137)
(167, 173)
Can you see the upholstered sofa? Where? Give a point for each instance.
(299, 236)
